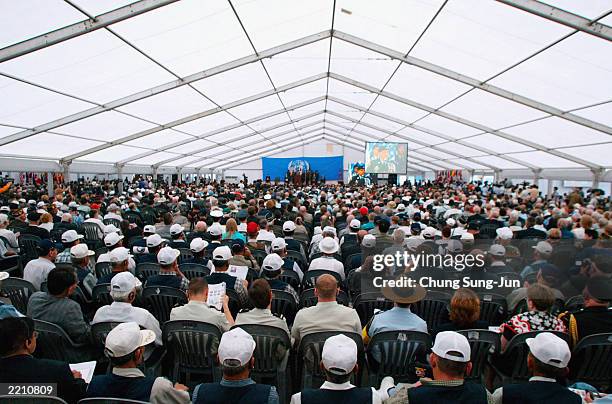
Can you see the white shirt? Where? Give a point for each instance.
(125, 312)
(36, 271)
(328, 263)
(11, 238)
(376, 398)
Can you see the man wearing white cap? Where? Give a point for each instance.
(125, 346)
(154, 243)
(113, 241)
(329, 247)
(178, 237)
(279, 246)
(169, 273)
(216, 232)
(113, 212)
(497, 256)
(271, 269)
(80, 255)
(292, 244)
(119, 261)
(124, 288)
(339, 362)
(198, 249)
(541, 254)
(353, 229)
(450, 363)
(236, 358)
(220, 257)
(547, 361)
(70, 238)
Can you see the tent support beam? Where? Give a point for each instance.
(562, 17)
(472, 82)
(80, 28)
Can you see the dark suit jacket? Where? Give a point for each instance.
(27, 369)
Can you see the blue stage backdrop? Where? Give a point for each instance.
(328, 167)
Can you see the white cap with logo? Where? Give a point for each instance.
(80, 251)
(167, 255)
(149, 229)
(126, 338)
(70, 236)
(236, 345)
(119, 254)
(272, 263)
(222, 253)
(154, 240)
(289, 226)
(452, 346)
(124, 282)
(176, 229)
(355, 224)
(278, 244)
(550, 349)
(198, 244)
(369, 241)
(112, 239)
(339, 354)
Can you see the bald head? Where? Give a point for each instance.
(200, 226)
(326, 288)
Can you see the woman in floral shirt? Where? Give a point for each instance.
(540, 299)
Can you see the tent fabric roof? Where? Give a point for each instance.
(484, 85)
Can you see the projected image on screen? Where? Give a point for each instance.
(385, 158)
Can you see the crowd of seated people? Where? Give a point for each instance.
(302, 261)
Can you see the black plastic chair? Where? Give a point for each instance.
(114, 222)
(54, 343)
(28, 247)
(99, 251)
(193, 347)
(308, 298)
(433, 311)
(103, 269)
(146, 269)
(393, 353)
(296, 256)
(271, 356)
(191, 270)
(309, 357)
(482, 343)
(186, 254)
(310, 277)
(493, 308)
(284, 304)
(366, 303)
(19, 291)
(160, 300)
(100, 294)
(234, 302)
(30, 399)
(291, 277)
(574, 303)
(259, 256)
(93, 234)
(514, 357)
(592, 360)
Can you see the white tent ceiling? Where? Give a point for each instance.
(480, 84)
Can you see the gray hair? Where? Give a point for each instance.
(399, 236)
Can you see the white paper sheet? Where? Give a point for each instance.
(86, 369)
(239, 271)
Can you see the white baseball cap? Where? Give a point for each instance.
(197, 244)
(401, 207)
(450, 221)
(80, 251)
(504, 233)
(497, 250)
(329, 229)
(339, 354)
(236, 345)
(544, 247)
(222, 253)
(289, 226)
(176, 229)
(126, 338)
(272, 263)
(167, 255)
(119, 254)
(355, 224)
(154, 240)
(429, 232)
(215, 229)
(452, 346)
(550, 349)
(216, 213)
(112, 239)
(278, 244)
(368, 241)
(4, 275)
(70, 236)
(328, 245)
(110, 228)
(149, 229)
(467, 236)
(124, 282)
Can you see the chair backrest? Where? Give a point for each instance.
(493, 308)
(30, 399)
(259, 256)
(110, 400)
(309, 356)
(291, 277)
(99, 331)
(99, 251)
(271, 345)
(160, 300)
(592, 360)
(310, 277)
(54, 343)
(114, 222)
(366, 303)
(186, 254)
(433, 311)
(28, 245)
(100, 294)
(284, 304)
(349, 260)
(574, 303)
(482, 343)
(393, 353)
(191, 270)
(146, 269)
(193, 345)
(19, 291)
(296, 256)
(308, 298)
(92, 231)
(103, 269)
(516, 353)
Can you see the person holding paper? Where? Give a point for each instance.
(221, 257)
(197, 308)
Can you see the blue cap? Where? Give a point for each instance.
(237, 244)
(45, 246)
